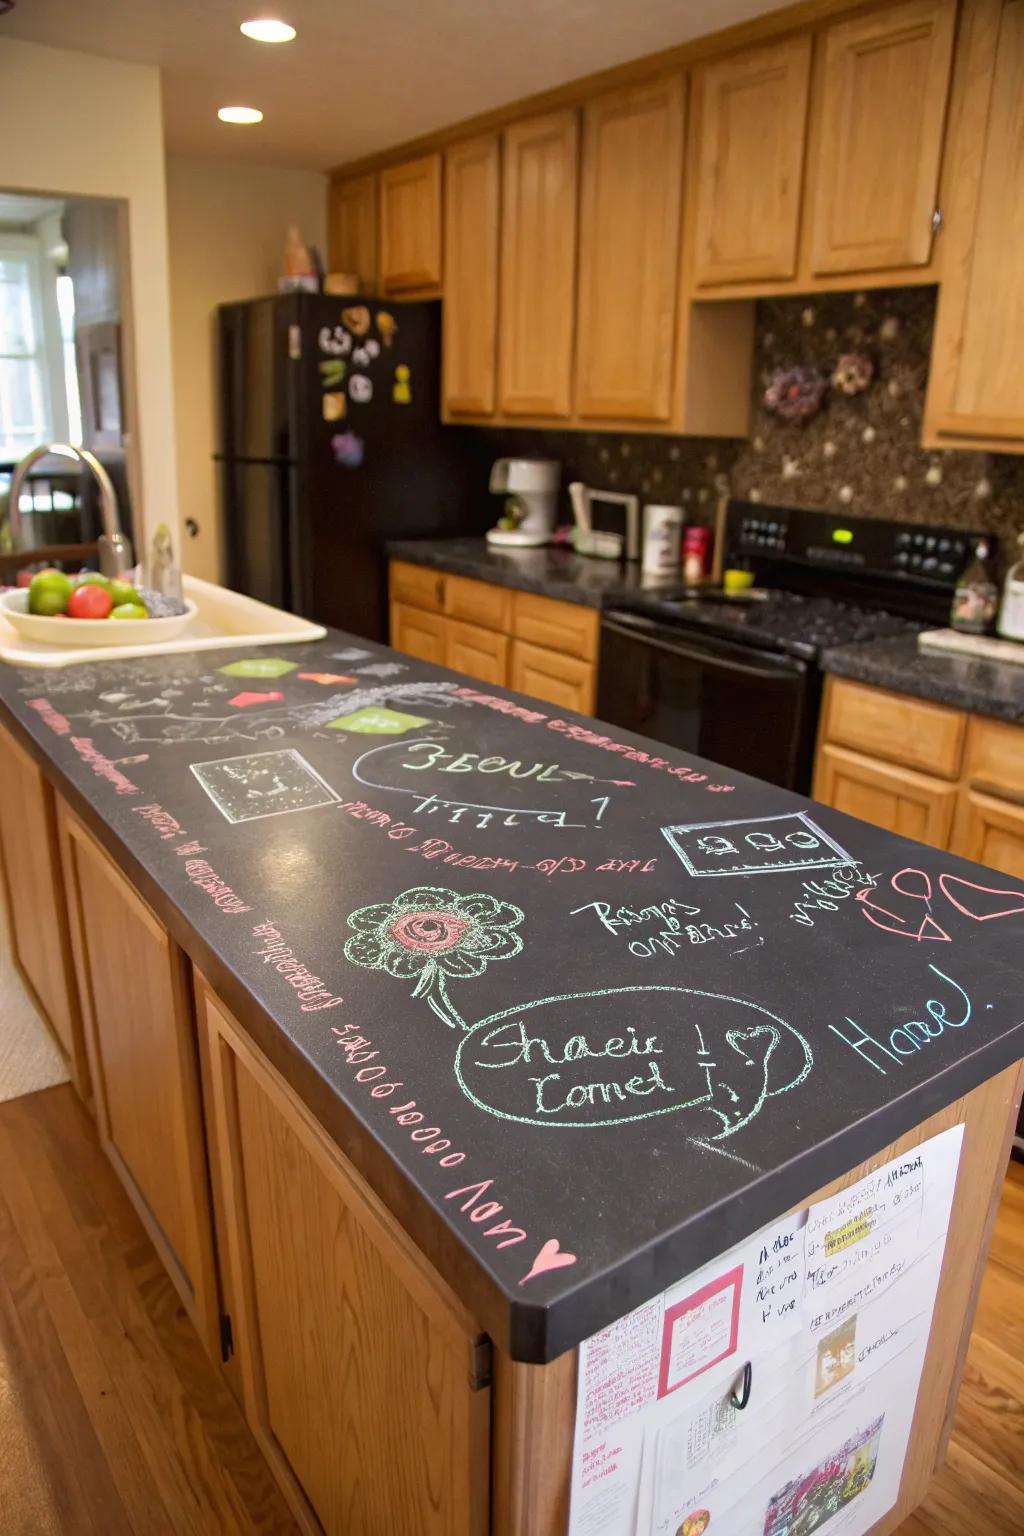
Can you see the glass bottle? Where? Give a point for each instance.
(976, 597)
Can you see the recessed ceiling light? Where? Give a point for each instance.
(240, 115)
(267, 29)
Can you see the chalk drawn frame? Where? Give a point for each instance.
(790, 866)
(333, 798)
(702, 1101)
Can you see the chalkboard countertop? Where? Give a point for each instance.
(550, 570)
(586, 1012)
(994, 688)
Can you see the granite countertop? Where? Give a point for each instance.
(994, 688)
(582, 1010)
(552, 570)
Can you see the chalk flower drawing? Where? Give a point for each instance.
(429, 934)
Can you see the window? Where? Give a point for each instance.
(25, 411)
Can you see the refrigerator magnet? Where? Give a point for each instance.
(401, 390)
(360, 389)
(348, 449)
(361, 358)
(387, 326)
(336, 342)
(356, 319)
(332, 372)
(371, 346)
(334, 406)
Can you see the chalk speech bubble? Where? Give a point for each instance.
(617, 1055)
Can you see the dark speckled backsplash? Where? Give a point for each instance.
(861, 455)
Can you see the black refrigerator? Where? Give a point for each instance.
(330, 443)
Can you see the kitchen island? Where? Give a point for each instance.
(433, 1031)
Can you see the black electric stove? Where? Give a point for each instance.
(736, 679)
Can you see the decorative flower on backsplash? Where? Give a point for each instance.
(795, 394)
(853, 373)
(429, 933)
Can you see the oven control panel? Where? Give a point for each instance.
(925, 554)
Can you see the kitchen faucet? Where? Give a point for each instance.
(115, 550)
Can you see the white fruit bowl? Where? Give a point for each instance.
(62, 631)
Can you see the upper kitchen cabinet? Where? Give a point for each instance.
(410, 226)
(353, 229)
(750, 128)
(538, 266)
(471, 211)
(629, 252)
(883, 88)
(976, 387)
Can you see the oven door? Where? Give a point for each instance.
(749, 709)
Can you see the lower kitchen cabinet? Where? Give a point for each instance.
(136, 1002)
(896, 798)
(479, 652)
(37, 915)
(538, 645)
(365, 1380)
(418, 633)
(871, 750)
(557, 679)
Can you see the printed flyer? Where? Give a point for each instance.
(831, 1308)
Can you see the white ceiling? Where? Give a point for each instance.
(363, 74)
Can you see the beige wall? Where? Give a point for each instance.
(74, 123)
(227, 222)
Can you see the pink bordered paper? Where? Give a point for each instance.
(699, 1331)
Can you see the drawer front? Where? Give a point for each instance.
(477, 602)
(562, 680)
(480, 653)
(416, 584)
(566, 627)
(896, 799)
(418, 633)
(995, 758)
(890, 725)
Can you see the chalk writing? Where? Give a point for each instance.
(826, 893)
(906, 1040)
(203, 875)
(428, 934)
(49, 716)
(313, 995)
(263, 784)
(607, 1057)
(914, 886)
(754, 846)
(103, 767)
(968, 897)
(671, 932)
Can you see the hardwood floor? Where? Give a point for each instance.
(113, 1420)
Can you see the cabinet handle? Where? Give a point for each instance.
(937, 217)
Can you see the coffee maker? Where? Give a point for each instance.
(530, 488)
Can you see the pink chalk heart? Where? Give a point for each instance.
(1015, 907)
(550, 1257)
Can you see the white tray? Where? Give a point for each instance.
(952, 643)
(222, 618)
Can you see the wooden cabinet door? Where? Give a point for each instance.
(562, 680)
(361, 1370)
(976, 387)
(476, 651)
(353, 229)
(751, 128)
(36, 907)
(471, 211)
(631, 199)
(136, 999)
(538, 266)
(418, 633)
(883, 105)
(897, 799)
(991, 832)
(410, 225)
